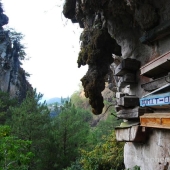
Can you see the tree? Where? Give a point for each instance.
(70, 130)
(5, 103)
(104, 156)
(29, 123)
(14, 152)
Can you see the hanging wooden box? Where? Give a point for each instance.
(133, 113)
(128, 101)
(130, 134)
(156, 120)
(156, 101)
(127, 65)
(158, 67)
(128, 78)
(155, 84)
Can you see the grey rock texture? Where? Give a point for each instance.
(12, 76)
(127, 21)
(152, 155)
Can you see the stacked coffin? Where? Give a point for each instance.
(158, 96)
(128, 105)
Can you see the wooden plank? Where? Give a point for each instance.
(156, 100)
(158, 67)
(128, 101)
(157, 120)
(157, 83)
(133, 113)
(127, 65)
(158, 32)
(131, 134)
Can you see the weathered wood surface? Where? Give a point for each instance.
(133, 113)
(131, 134)
(158, 67)
(156, 100)
(128, 78)
(128, 101)
(127, 65)
(157, 120)
(157, 33)
(157, 83)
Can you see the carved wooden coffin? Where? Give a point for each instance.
(158, 100)
(133, 113)
(131, 134)
(128, 78)
(158, 67)
(157, 83)
(127, 65)
(156, 120)
(128, 101)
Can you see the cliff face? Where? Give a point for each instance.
(124, 36)
(12, 76)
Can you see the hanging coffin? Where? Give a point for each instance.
(130, 134)
(128, 78)
(156, 101)
(156, 120)
(133, 113)
(127, 65)
(158, 67)
(128, 101)
(157, 83)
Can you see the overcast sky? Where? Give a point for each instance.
(52, 43)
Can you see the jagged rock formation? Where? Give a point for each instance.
(12, 76)
(141, 31)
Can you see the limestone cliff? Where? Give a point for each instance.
(131, 32)
(12, 76)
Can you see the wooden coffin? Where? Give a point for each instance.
(158, 67)
(156, 101)
(156, 120)
(131, 134)
(133, 113)
(128, 78)
(127, 65)
(158, 32)
(128, 101)
(157, 83)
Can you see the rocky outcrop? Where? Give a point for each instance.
(135, 30)
(12, 76)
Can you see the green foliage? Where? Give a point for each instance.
(70, 129)
(29, 123)
(18, 37)
(14, 152)
(105, 156)
(5, 103)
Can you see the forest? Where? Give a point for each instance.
(30, 139)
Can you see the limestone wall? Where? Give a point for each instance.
(142, 30)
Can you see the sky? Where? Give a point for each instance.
(52, 44)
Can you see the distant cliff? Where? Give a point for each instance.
(12, 76)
